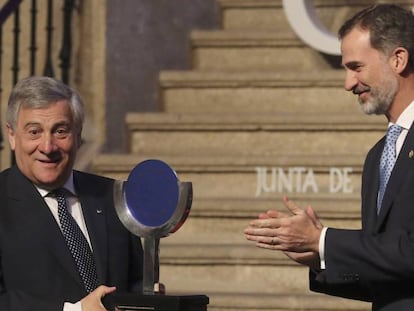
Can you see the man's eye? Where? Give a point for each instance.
(62, 132)
(356, 67)
(34, 132)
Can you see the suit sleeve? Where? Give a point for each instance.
(381, 257)
(357, 261)
(351, 291)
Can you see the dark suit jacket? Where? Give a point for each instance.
(37, 271)
(376, 263)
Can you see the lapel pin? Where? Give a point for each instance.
(99, 211)
(411, 154)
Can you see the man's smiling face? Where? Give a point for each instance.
(45, 144)
(368, 73)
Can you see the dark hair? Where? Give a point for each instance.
(40, 92)
(390, 26)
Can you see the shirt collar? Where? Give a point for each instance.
(406, 119)
(69, 186)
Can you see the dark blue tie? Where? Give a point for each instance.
(77, 243)
(388, 158)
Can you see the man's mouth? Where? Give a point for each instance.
(359, 89)
(362, 93)
(49, 161)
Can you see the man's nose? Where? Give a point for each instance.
(47, 144)
(350, 81)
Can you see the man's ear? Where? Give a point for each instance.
(399, 60)
(79, 140)
(11, 136)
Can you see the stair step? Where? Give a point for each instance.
(277, 280)
(238, 176)
(256, 92)
(253, 51)
(119, 165)
(201, 134)
(321, 78)
(234, 278)
(345, 207)
(253, 14)
(282, 302)
(223, 236)
(218, 225)
(197, 253)
(254, 122)
(124, 163)
(226, 195)
(269, 14)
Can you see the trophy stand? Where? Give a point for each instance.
(151, 265)
(152, 204)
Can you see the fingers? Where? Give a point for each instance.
(258, 234)
(271, 242)
(93, 302)
(291, 206)
(263, 216)
(272, 219)
(103, 290)
(276, 214)
(297, 231)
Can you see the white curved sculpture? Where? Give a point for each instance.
(301, 16)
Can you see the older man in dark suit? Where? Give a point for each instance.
(375, 263)
(47, 210)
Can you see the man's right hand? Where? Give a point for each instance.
(93, 302)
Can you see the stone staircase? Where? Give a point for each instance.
(256, 100)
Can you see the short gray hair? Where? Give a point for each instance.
(40, 92)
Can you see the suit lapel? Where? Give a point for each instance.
(370, 188)
(402, 166)
(38, 221)
(93, 208)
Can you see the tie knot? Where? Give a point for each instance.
(59, 193)
(393, 132)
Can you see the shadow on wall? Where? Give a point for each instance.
(144, 37)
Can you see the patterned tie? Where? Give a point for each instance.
(77, 243)
(388, 158)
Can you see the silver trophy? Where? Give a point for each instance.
(152, 204)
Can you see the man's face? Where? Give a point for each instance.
(368, 73)
(45, 144)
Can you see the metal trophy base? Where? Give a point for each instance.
(133, 302)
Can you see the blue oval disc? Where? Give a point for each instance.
(152, 192)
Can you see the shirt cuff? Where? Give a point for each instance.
(72, 306)
(322, 248)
